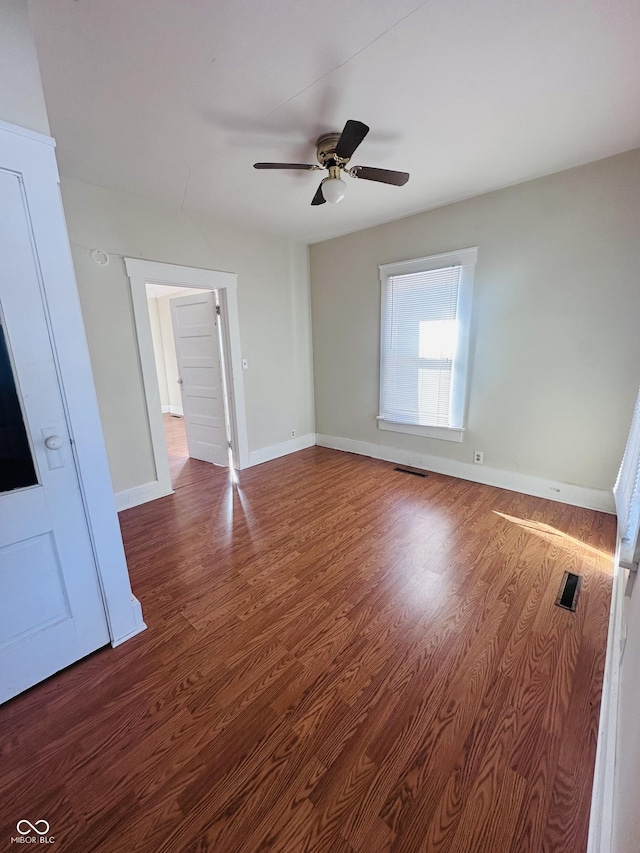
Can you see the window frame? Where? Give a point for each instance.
(466, 260)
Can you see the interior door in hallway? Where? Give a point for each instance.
(51, 608)
(195, 330)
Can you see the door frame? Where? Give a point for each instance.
(31, 156)
(141, 273)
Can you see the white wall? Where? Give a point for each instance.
(555, 353)
(169, 352)
(273, 296)
(158, 351)
(172, 374)
(164, 347)
(21, 95)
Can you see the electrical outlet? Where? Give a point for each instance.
(293, 433)
(478, 457)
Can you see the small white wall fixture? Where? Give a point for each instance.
(32, 156)
(140, 274)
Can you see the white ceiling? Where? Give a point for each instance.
(175, 100)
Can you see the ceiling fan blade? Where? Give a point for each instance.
(318, 197)
(383, 176)
(352, 135)
(305, 166)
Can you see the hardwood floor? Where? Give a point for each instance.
(183, 470)
(340, 657)
(176, 436)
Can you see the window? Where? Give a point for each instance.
(426, 313)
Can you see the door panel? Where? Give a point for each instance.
(34, 594)
(195, 331)
(51, 609)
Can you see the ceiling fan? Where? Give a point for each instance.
(334, 150)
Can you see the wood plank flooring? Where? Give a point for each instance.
(183, 470)
(339, 657)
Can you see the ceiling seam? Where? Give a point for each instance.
(184, 194)
(342, 64)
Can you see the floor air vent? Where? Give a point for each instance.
(408, 471)
(569, 589)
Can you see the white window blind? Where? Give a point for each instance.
(627, 495)
(419, 344)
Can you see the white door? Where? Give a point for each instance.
(195, 330)
(51, 609)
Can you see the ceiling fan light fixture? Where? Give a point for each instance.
(333, 189)
(333, 152)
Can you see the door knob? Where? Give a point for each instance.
(53, 442)
(180, 381)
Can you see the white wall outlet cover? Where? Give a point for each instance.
(100, 257)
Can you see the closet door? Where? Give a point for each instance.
(51, 607)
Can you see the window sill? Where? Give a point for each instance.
(444, 433)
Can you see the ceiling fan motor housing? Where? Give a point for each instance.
(326, 147)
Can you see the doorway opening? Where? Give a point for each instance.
(188, 349)
(188, 340)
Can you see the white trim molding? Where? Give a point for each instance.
(444, 433)
(136, 612)
(602, 796)
(140, 274)
(462, 257)
(553, 490)
(25, 133)
(173, 410)
(275, 451)
(156, 272)
(129, 498)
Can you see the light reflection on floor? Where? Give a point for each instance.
(559, 537)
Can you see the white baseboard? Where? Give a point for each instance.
(173, 410)
(568, 493)
(138, 622)
(141, 494)
(274, 451)
(537, 486)
(602, 796)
